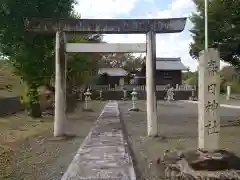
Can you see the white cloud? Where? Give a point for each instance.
(168, 45)
(178, 8)
(102, 9)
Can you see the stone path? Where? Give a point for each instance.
(104, 154)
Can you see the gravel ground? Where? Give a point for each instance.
(178, 131)
(234, 102)
(43, 157)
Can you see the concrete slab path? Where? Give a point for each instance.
(104, 154)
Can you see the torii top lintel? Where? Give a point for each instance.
(106, 26)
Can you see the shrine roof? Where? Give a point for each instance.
(170, 64)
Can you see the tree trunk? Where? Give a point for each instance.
(34, 108)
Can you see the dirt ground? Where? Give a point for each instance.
(178, 131)
(28, 150)
(234, 100)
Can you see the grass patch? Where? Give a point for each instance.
(18, 127)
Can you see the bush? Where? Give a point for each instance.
(192, 80)
(24, 99)
(235, 87)
(30, 102)
(223, 86)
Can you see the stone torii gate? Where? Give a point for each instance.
(104, 26)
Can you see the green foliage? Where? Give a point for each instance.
(229, 73)
(82, 66)
(30, 101)
(190, 78)
(223, 85)
(132, 63)
(30, 54)
(230, 76)
(224, 29)
(235, 87)
(127, 61)
(187, 75)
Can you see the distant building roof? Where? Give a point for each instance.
(170, 64)
(113, 71)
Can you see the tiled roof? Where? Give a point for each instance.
(113, 71)
(170, 64)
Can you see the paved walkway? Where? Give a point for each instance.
(104, 153)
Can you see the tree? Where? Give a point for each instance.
(187, 75)
(223, 29)
(133, 64)
(81, 66)
(115, 60)
(122, 60)
(230, 76)
(30, 54)
(191, 78)
(228, 73)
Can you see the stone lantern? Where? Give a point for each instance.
(100, 95)
(125, 98)
(87, 95)
(134, 98)
(170, 94)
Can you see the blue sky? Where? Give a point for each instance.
(168, 45)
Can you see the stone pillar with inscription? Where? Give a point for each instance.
(60, 85)
(209, 105)
(152, 125)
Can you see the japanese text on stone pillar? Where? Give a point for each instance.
(212, 105)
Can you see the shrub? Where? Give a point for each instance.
(235, 87)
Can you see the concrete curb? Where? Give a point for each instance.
(221, 105)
